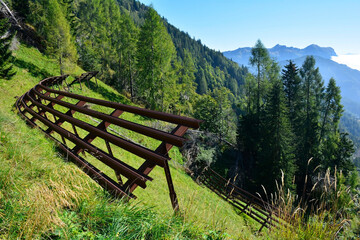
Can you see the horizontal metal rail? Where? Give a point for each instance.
(56, 112)
(184, 121)
(154, 133)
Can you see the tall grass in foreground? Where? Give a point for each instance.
(332, 212)
(44, 197)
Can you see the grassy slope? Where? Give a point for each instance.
(41, 194)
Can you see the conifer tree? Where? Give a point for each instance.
(332, 110)
(291, 81)
(187, 77)
(226, 127)
(89, 35)
(336, 148)
(22, 8)
(155, 52)
(260, 59)
(70, 10)
(249, 95)
(6, 70)
(277, 149)
(249, 134)
(202, 84)
(308, 130)
(127, 52)
(49, 18)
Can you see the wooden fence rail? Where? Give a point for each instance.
(256, 208)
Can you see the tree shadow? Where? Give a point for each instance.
(113, 97)
(33, 69)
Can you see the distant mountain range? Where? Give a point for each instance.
(347, 78)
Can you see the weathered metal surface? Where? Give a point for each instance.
(43, 103)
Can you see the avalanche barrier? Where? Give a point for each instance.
(58, 114)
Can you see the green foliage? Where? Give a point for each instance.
(49, 18)
(127, 54)
(44, 196)
(308, 129)
(6, 59)
(261, 60)
(21, 7)
(283, 125)
(212, 69)
(292, 81)
(155, 52)
(202, 84)
(99, 39)
(187, 77)
(206, 108)
(206, 156)
(277, 148)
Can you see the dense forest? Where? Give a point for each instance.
(270, 125)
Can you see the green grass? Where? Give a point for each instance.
(44, 196)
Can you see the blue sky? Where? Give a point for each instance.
(230, 24)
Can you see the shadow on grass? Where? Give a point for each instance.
(33, 69)
(113, 97)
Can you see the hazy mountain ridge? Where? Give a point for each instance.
(347, 78)
(281, 53)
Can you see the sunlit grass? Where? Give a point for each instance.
(43, 195)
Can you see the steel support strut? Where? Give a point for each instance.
(43, 99)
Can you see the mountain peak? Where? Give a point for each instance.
(313, 46)
(278, 47)
(326, 52)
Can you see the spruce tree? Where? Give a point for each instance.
(277, 149)
(291, 81)
(6, 70)
(332, 110)
(249, 126)
(202, 86)
(336, 148)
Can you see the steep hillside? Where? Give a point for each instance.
(41, 195)
(210, 64)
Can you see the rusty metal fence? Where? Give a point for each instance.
(256, 208)
(60, 115)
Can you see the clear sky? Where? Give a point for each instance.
(230, 24)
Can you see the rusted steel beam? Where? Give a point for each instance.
(85, 76)
(39, 102)
(150, 132)
(136, 149)
(60, 121)
(258, 204)
(122, 167)
(103, 180)
(102, 126)
(164, 148)
(185, 121)
(257, 217)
